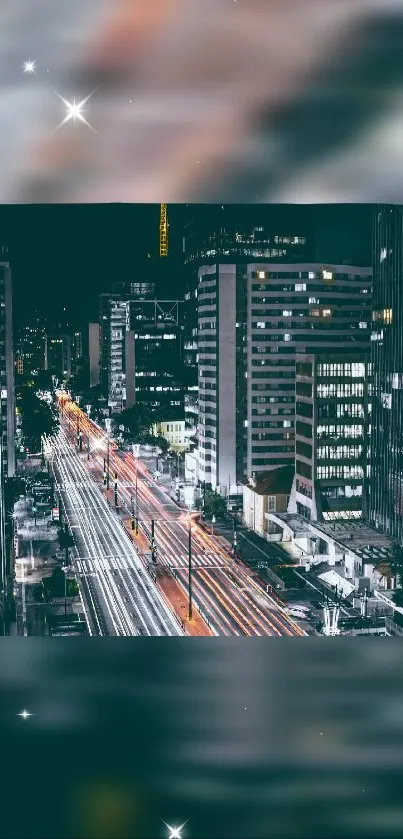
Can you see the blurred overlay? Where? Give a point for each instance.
(239, 740)
(219, 100)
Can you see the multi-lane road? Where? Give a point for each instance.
(224, 589)
(118, 594)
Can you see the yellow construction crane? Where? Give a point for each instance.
(163, 230)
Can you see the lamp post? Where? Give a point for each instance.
(88, 409)
(234, 535)
(115, 488)
(190, 567)
(136, 488)
(153, 547)
(212, 525)
(108, 431)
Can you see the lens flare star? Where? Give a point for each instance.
(29, 66)
(24, 715)
(75, 111)
(175, 832)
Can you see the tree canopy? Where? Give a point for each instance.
(37, 417)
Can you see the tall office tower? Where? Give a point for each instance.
(331, 433)
(141, 350)
(253, 320)
(7, 369)
(76, 346)
(386, 440)
(235, 234)
(94, 353)
(58, 353)
(31, 345)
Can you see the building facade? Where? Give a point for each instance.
(94, 353)
(30, 346)
(269, 493)
(386, 462)
(331, 434)
(58, 353)
(253, 321)
(7, 369)
(141, 351)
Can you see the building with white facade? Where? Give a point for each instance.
(253, 321)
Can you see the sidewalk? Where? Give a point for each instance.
(170, 588)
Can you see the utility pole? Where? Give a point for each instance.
(116, 489)
(107, 462)
(234, 535)
(137, 504)
(153, 547)
(88, 446)
(132, 511)
(190, 569)
(104, 472)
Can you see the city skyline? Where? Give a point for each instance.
(65, 256)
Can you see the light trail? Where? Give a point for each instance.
(225, 591)
(119, 591)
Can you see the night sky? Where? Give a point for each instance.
(64, 256)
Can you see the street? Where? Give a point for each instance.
(119, 596)
(223, 588)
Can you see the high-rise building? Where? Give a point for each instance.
(58, 353)
(386, 439)
(141, 350)
(30, 345)
(331, 433)
(7, 368)
(253, 320)
(94, 353)
(234, 234)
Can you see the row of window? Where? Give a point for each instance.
(339, 452)
(339, 471)
(340, 390)
(336, 431)
(341, 410)
(351, 369)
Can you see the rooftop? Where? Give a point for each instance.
(362, 539)
(274, 482)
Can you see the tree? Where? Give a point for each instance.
(133, 424)
(37, 418)
(396, 562)
(215, 505)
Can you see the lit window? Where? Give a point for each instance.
(327, 275)
(287, 313)
(312, 275)
(287, 336)
(326, 313)
(387, 315)
(261, 275)
(313, 300)
(261, 324)
(363, 325)
(300, 286)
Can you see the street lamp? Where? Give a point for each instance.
(212, 524)
(190, 566)
(136, 490)
(108, 431)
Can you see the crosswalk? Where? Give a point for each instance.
(92, 566)
(199, 560)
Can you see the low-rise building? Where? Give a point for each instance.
(175, 432)
(268, 492)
